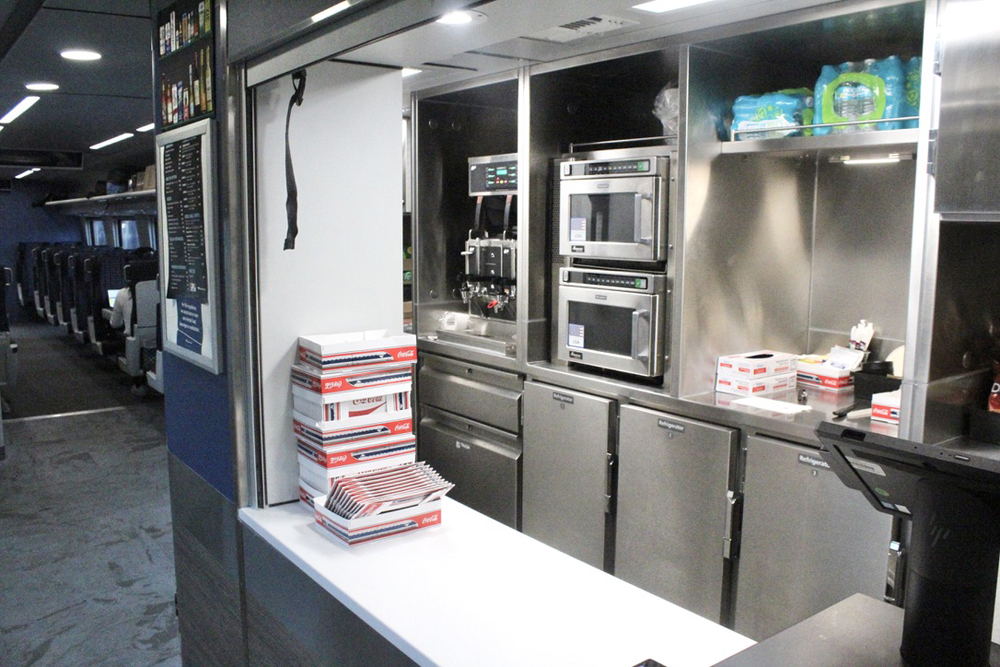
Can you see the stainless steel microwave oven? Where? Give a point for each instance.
(613, 319)
(615, 207)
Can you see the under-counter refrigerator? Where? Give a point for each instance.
(675, 509)
(568, 474)
(808, 541)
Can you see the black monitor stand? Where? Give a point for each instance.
(951, 492)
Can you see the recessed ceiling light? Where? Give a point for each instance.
(27, 173)
(21, 107)
(462, 17)
(661, 6)
(80, 54)
(410, 71)
(112, 140)
(145, 128)
(41, 86)
(330, 11)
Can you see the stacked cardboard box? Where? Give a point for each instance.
(352, 419)
(756, 373)
(351, 402)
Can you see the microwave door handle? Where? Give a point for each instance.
(638, 234)
(638, 355)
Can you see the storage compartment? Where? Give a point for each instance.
(674, 511)
(483, 463)
(568, 466)
(475, 392)
(781, 248)
(808, 541)
(458, 217)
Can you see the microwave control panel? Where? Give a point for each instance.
(643, 166)
(632, 282)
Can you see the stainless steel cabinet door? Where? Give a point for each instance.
(566, 443)
(808, 540)
(673, 476)
(968, 173)
(483, 463)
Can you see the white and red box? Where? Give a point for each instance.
(351, 393)
(319, 468)
(824, 376)
(758, 364)
(754, 387)
(327, 352)
(386, 524)
(330, 433)
(885, 406)
(308, 493)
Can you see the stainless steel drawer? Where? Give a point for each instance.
(475, 392)
(483, 463)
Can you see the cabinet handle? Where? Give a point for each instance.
(734, 505)
(609, 483)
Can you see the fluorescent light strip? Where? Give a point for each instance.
(330, 11)
(872, 160)
(410, 71)
(21, 107)
(145, 128)
(663, 6)
(27, 173)
(112, 140)
(42, 86)
(80, 54)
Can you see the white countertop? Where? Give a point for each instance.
(474, 592)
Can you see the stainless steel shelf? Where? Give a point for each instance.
(121, 196)
(827, 142)
(138, 202)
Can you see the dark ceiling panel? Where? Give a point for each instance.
(121, 7)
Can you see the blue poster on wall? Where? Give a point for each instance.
(190, 329)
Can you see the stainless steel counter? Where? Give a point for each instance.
(716, 407)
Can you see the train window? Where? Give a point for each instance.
(129, 234)
(98, 233)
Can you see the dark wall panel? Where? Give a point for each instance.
(20, 221)
(198, 427)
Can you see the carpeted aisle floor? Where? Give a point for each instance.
(87, 575)
(57, 374)
(86, 548)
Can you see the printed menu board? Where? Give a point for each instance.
(190, 302)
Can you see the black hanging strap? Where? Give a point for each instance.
(292, 202)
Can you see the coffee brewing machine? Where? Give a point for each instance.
(488, 285)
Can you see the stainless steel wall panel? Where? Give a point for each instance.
(566, 443)
(482, 394)
(747, 246)
(673, 477)
(808, 541)
(207, 563)
(968, 173)
(483, 463)
(861, 250)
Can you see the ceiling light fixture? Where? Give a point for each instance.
(145, 128)
(80, 54)
(41, 86)
(410, 71)
(21, 107)
(112, 140)
(27, 173)
(330, 11)
(663, 6)
(462, 17)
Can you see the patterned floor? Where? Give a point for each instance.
(86, 556)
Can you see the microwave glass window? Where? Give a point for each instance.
(600, 328)
(608, 218)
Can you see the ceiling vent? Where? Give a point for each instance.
(594, 25)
